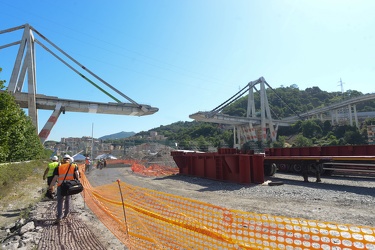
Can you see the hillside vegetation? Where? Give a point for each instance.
(290, 101)
(18, 143)
(284, 102)
(18, 140)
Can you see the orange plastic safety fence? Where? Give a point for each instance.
(139, 168)
(153, 170)
(154, 220)
(120, 161)
(104, 215)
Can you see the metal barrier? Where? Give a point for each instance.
(348, 150)
(227, 164)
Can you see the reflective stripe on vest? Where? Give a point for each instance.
(62, 172)
(51, 168)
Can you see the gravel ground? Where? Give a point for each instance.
(338, 199)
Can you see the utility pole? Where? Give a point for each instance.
(342, 85)
(92, 143)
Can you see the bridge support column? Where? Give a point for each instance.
(350, 115)
(355, 116)
(254, 137)
(250, 112)
(44, 133)
(234, 137)
(263, 112)
(25, 63)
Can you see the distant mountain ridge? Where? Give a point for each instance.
(119, 135)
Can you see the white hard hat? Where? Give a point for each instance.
(54, 158)
(67, 157)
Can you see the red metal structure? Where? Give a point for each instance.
(227, 164)
(351, 158)
(234, 165)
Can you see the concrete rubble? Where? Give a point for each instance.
(40, 232)
(22, 234)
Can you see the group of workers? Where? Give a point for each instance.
(55, 173)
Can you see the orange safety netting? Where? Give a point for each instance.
(153, 170)
(139, 168)
(146, 219)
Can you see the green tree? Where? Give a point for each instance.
(369, 121)
(341, 130)
(310, 129)
(2, 82)
(302, 141)
(18, 138)
(202, 143)
(281, 140)
(228, 138)
(354, 137)
(332, 140)
(327, 127)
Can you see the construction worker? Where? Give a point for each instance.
(306, 168)
(100, 164)
(69, 171)
(48, 173)
(87, 164)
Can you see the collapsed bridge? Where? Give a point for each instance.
(25, 70)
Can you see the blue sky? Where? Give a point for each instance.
(188, 56)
